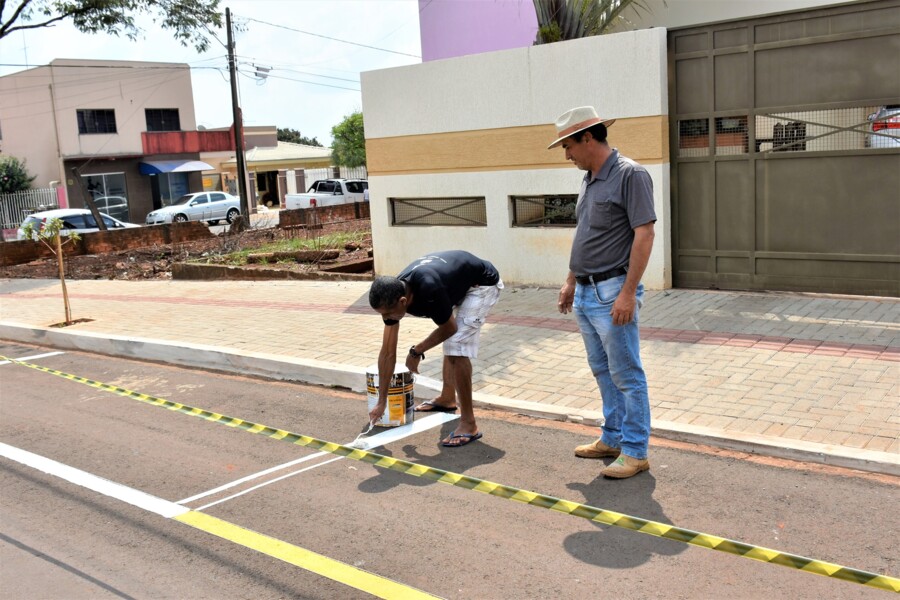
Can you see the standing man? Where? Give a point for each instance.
(613, 239)
(431, 287)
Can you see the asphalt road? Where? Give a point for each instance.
(59, 539)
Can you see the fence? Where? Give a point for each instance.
(312, 175)
(16, 206)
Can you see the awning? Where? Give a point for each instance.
(155, 167)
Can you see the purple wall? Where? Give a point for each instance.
(451, 28)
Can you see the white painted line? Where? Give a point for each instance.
(380, 439)
(24, 358)
(251, 477)
(265, 483)
(398, 433)
(92, 482)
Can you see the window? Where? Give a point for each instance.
(731, 136)
(325, 187)
(357, 187)
(693, 138)
(544, 211)
(162, 119)
(216, 197)
(470, 212)
(109, 193)
(76, 222)
(93, 120)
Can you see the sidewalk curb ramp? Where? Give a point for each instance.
(354, 378)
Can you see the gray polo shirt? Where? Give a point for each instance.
(609, 207)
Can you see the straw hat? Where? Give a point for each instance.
(578, 119)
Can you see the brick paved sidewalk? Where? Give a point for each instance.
(789, 370)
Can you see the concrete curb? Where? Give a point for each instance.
(353, 378)
(200, 272)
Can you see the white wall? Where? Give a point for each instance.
(622, 75)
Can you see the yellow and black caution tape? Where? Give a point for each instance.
(584, 511)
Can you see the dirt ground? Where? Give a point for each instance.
(156, 262)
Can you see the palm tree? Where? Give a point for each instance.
(560, 20)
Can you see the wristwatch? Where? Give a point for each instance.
(412, 352)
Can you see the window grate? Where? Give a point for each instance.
(544, 211)
(693, 138)
(464, 212)
(92, 120)
(854, 128)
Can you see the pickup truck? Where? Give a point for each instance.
(328, 192)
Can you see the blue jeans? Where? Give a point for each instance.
(613, 353)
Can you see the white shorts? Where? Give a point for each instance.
(470, 316)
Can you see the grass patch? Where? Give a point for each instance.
(325, 242)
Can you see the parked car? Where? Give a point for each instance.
(884, 128)
(114, 206)
(211, 207)
(329, 192)
(74, 220)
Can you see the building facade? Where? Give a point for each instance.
(121, 131)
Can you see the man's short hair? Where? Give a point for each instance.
(598, 132)
(386, 291)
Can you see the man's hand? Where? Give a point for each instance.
(566, 297)
(623, 308)
(377, 412)
(412, 363)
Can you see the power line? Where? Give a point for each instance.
(333, 39)
(271, 76)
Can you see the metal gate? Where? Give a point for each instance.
(785, 135)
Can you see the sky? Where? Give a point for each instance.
(313, 82)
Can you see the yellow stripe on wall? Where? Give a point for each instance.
(644, 139)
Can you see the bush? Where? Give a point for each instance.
(13, 176)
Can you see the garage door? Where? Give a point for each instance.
(785, 136)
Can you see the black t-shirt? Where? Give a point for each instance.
(441, 280)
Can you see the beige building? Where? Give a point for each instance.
(104, 120)
(277, 170)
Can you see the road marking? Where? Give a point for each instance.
(131, 496)
(599, 515)
(375, 441)
(308, 560)
(35, 357)
(265, 483)
(376, 585)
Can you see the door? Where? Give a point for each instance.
(781, 178)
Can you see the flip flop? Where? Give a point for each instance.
(434, 407)
(464, 438)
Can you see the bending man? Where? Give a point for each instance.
(432, 287)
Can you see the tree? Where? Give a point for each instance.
(189, 20)
(293, 136)
(48, 234)
(349, 146)
(13, 176)
(560, 20)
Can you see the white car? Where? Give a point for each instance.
(74, 220)
(211, 207)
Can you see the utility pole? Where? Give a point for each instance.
(238, 124)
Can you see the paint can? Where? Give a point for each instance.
(400, 401)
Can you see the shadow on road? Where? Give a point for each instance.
(456, 460)
(615, 547)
